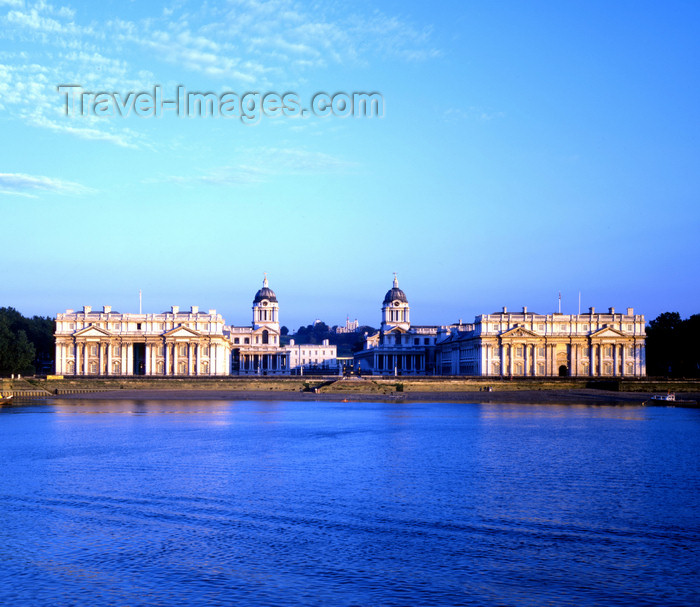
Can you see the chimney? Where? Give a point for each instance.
(630, 311)
(505, 310)
(107, 309)
(175, 309)
(87, 309)
(591, 310)
(291, 342)
(195, 310)
(611, 310)
(524, 309)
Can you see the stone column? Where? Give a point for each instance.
(129, 359)
(534, 359)
(175, 360)
(86, 353)
(109, 359)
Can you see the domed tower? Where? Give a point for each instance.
(266, 309)
(395, 309)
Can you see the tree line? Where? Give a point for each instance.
(673, 346)
(26, 344)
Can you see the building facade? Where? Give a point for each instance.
(609, 344)
(504, 344)
(107, 342)
(399, 347)
(181, 343)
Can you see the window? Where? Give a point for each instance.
(247, 340)
(117, 350)
(416, 341)
(607, 351)
(182, 349)
(426, 341)
(236, 340)
(540, 327)
(205, 350)
(72, 325)
(93, 350)
(519, 351)
(585, 327)
(629, 327)
(540, 351)
(630, 351)
(540, 369)
(138, 326)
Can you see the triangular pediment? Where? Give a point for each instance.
(607, 332)
(395, 330)
(519, 332)
(93, 331)
(182, 332)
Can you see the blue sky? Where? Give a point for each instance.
(526, 149)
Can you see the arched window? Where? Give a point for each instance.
(265, 336)
(116, 368)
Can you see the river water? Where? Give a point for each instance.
(321, 503)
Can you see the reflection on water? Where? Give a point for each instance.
(297, 503)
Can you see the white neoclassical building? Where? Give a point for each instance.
(181, 343)
(399, 347)
(608, 344)
(506, 344)
(107, 342)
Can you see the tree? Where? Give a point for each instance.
(672, 346)
(16, 351)
(24, 342)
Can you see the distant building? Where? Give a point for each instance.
(312, 356)
(351, 326)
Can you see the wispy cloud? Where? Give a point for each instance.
(264, 164)
(241, 44)
(30, 186)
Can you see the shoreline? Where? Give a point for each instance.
(591, 397)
